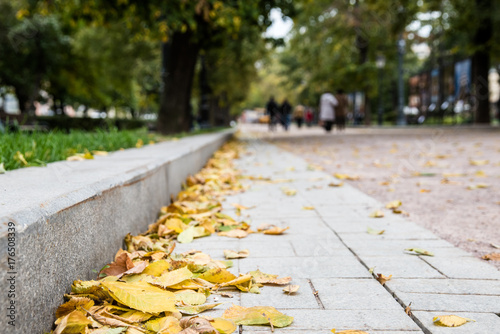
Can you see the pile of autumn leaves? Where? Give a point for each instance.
(149, 289)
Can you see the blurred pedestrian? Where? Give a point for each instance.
(309, 116)
(272, 112)
(298, 115)
(285, 113)
(341, 110)
(327, 105)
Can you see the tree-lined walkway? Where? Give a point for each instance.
(328, 252)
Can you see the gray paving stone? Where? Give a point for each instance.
(451, 303)
(307, 267)
(272, 247)
(345, 319)
(327, 245)
(356, 224)
(325, 331)
(390, 233)
(354, 294)
(403, 266)
(486, 323)
(445, 286)
(274, 296)
(466, 267)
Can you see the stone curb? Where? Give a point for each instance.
(70, 218)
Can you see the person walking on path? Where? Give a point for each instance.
(309, 117)
(327, 105)
(285, 111)
(341, 110)
(298, 115)
(272, 111)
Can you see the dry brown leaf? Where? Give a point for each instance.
(197, 325)
(275, 230)
(408, 310)
(382, 279)
(231, 254)
(235, 233)
(73, 304)
(118, 267)
(290, 289)
(492, 257)
(263, 278)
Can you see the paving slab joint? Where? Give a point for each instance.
(316, 294)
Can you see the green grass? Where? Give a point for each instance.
(40, 148)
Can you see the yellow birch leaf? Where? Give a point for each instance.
(369, 230)
(237, 281)
(290, 289)
(186, 236)
(192, 310)
(419, 251)
(187, 284)
(224, 326)
(170, 278)
(349, 331)
(165, 325)
(308, 208)
(190, 297)
(176, 224)
(257, 315)
(450, 320)
(157, 268)
(478, 162)
(377, 214)
(74, 304)
(74, 322)
(236, 233)
(217, 275)
(263, 278)
(393, 205)
(335, 184)
(239, 206)
(141, 296)
(231, 254)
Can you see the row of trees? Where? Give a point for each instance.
(335, 44)
(135, 55)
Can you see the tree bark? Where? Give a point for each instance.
(179, 60)
(481, 60)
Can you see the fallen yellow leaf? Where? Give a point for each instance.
(393, 205)
(450, 320)
(377, 214)
(308, 208)
(374, 232)
(231, 254)
(419, 251)
(479, 162)
(257, 315)
(290, 289)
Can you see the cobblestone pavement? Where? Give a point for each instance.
(328, 252)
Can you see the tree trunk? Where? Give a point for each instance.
(179, 60)
(481, 60)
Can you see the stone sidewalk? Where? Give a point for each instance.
(328, 252)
